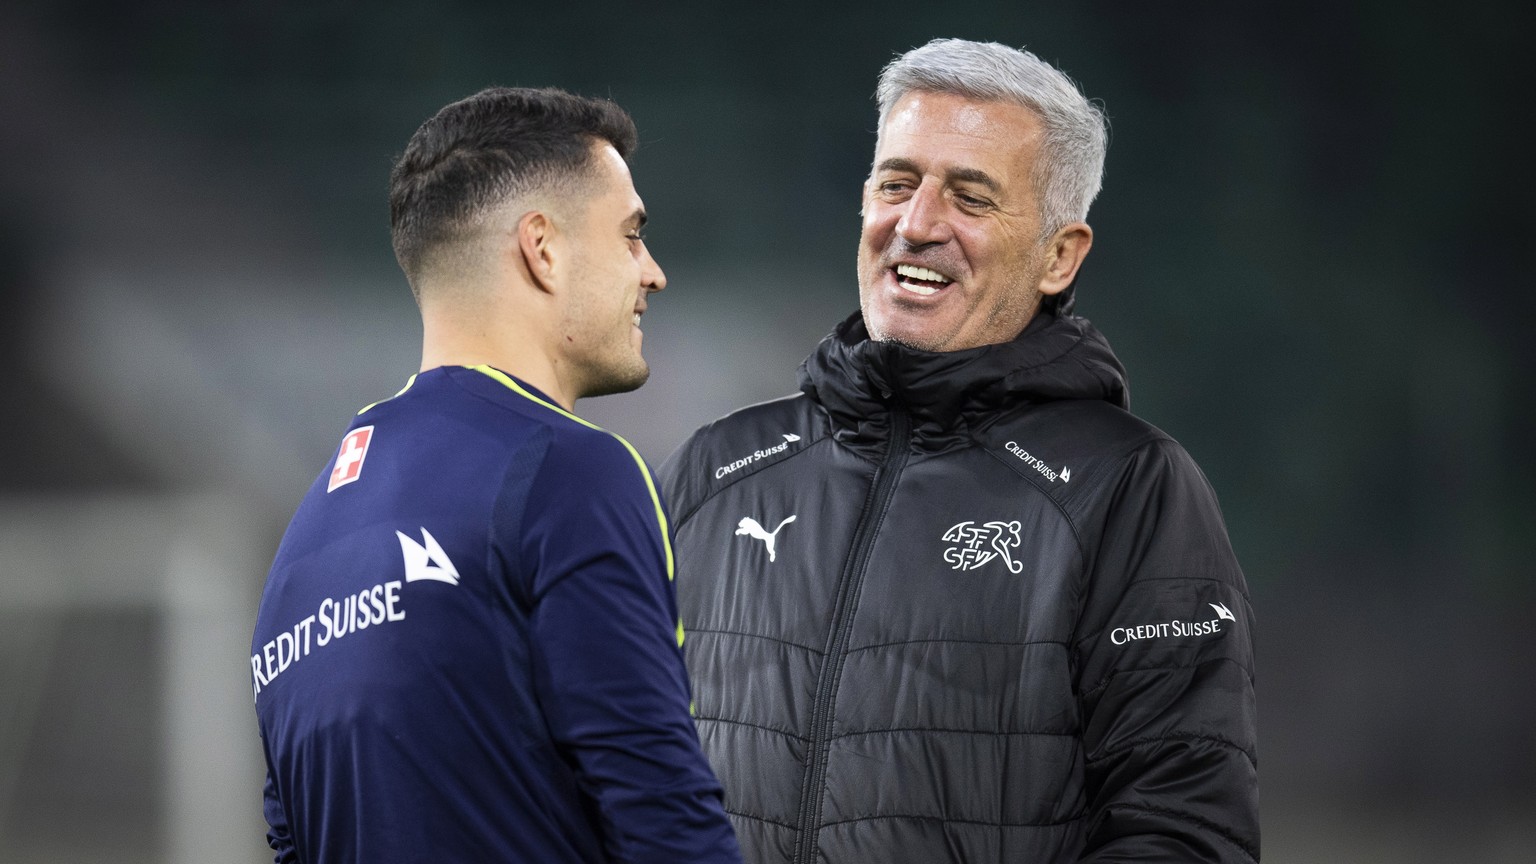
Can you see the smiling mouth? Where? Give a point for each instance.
(920, 280)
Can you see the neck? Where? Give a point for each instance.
(487, 335)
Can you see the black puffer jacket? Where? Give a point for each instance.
(963, 607)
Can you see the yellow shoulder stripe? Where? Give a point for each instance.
(650, 485)
(408, 382)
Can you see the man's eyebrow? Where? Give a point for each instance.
(962, 175)
(972, 175)
(896, 163)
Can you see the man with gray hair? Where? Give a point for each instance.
(999, 618)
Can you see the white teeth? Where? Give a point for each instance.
(918, 289)
(637, 319)
(922, 273)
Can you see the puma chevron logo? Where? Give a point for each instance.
(750, 528)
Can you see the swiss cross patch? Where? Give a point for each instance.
(349, 462)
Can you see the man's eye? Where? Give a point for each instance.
(970, 201)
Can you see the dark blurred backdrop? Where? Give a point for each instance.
(1309, 253)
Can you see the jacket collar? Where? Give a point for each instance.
(859, 381)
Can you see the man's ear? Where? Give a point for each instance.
(1065, 252)
(538, 247)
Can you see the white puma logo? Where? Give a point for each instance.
(749, 527)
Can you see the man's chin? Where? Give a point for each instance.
(621, 381)
(900, 330)
(909, 342)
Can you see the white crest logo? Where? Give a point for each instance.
(749, 527)
(426, 562)
(1223, 612)
(969, 551)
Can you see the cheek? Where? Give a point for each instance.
(879, 222)
(986, 250)
(625, 269)
(871, 215)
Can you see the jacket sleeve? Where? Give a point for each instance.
(1164, 654)
(278, 836)
(608, 663)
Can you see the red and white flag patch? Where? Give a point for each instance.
(349, 461)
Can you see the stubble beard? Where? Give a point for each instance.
(603, 353)
(619, 377)
(611, 365)
(1020, 302)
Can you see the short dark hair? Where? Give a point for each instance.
(477, 152)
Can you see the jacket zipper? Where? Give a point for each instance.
(886, 475)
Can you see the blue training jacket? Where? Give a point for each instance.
(468, 648)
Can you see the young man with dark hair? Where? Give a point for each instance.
(468, 648)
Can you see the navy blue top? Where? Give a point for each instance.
(468, 648)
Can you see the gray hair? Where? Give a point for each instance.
(1070, 170)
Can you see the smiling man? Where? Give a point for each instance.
(999, 619)
(468, 648)
(938, 283)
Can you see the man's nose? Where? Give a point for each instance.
(926, 218)
(651, 276)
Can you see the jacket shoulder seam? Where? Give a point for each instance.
(1077, 536)
(753, 816)
(917, 817)
(744, 474)
(749, 725)
(990, 733)
(694, 630)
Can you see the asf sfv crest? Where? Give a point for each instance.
(975, 545)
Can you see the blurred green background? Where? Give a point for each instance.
(1307, 253)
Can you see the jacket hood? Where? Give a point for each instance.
(860, 381)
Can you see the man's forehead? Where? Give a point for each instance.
(946, 132)
(618, 185)
(610, 165)
(955, 111)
